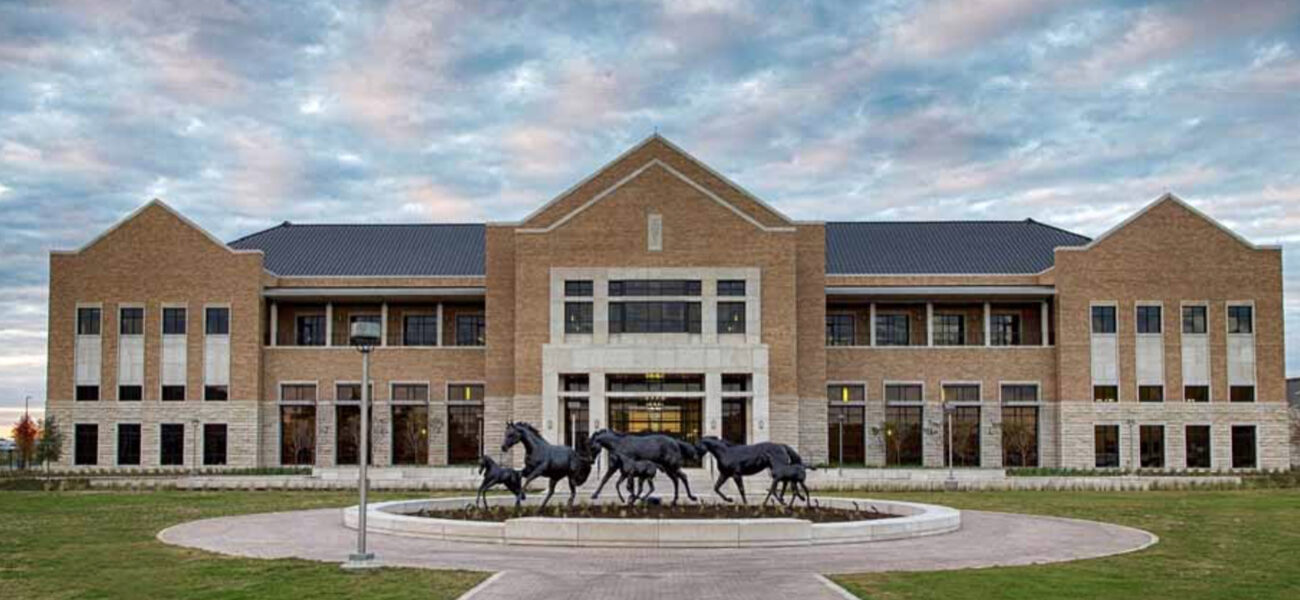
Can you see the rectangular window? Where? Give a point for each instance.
(731, 317)
(132, 321)
(1243, 447)
(420, 330)
(1148, 319)
(216, 321)
(1103, 319)
(893, 330)
(1196, 393)
(214, 444)
(654, 317)
(88, 321)
(949, 330)
(903, 392)
(578, 288)
(1106, 446)
(844, 394)
(1151, 393)
(1241, 319)
(737, 382)
(130, 393)
(171, 444)
(460, 392)
(298, 435)
(731, 287)
(215, 393)
(347, 435)
(839, 330)
(173, 321)
(1194, 320)
(1242, 393)
(575, 383)
(173, 393)
(654, 287)
(410, 434)
(1006, 329)
(655, 382)
(1019, 436)
(87, 393)
(1105, 393)
(350, 392)
(1197, 439)
(903, 435)
(298, 392)
(1151, 439)
(471, 330)
(85, 444)
(1019, 393)
(128, 444)
(464, 433)
(961, 393)
(410, 392)
(577, 317)
(965, 436)
(846, 433)
(309, 330)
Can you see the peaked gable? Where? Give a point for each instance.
(150, 209)
(654, 152)
(1167, 204)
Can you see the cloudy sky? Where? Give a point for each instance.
(245, 114)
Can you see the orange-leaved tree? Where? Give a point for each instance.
(25, 433)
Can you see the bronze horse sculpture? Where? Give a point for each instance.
(544, 459)
(737, 461)
(494, 475)
(667, 453)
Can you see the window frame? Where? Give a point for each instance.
(692, 320)
(139, 444)
(964, 385)
(392, 391)
(729, 327)
(939, 328)
(1160, 387)
(1209, 446)
(1208, 393)
(1113, 307)
(136, 389)
(208, 321)
(584, 324)
(98, 322)
(1204, 322)
(573, 288)
(998, 333)
(225, 445)
(208, 396)
(1232, 396)
(162, 442)
(281, 385)
(853, 328)
(170, 324)
(1164, 446)
(885, 385)
(1142, 318)
(139, 321)
(77, 446)
(475, 322)
(1094, 393)
(313, 335)
(731, 288)
(1231, 321)
(422, 329)
(881, 338)
(1119, 446)
(1232, 446)
(1038, 393)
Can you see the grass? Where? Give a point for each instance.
(102, 545)
(1213, 544)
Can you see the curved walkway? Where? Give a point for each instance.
(985, 540)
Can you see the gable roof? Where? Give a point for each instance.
(414, 250)
(944, 247)
(1169, 197)
(143, 208)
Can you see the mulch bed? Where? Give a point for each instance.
(662, 511)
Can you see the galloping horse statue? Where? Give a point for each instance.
(736, 461)
(494, 475)
(665, 452)
(543, 459)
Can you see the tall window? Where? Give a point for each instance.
(171, 444)
(1151, 439)
(731, 287)
(1243, 447)
(1148, 319)
(310, 330)
(132, 321)
(1197, 438)
(298, 434)
(731, 317)
(654, 317)
(577, 317)
(839, 329)
(411, 434)
(217, 321)
(1019, 436)
(950, 330)
(893, 330)
(738, 392)
(903, 435)
(470, 330)
(1194, 320)
(965, 436)
(654, 287)
(1006, 329)
(464, 423)
(347, 434)
(420, 330)
(88, 321)
(85, 444)
(1106, 446)
(128, 443)
(1241, 319)
(173, 321)
(1103, 319)
(846, 419)
(214, 444)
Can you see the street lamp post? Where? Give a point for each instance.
(364, 336)
(948, 411)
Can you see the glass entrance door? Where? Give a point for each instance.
(681, 418)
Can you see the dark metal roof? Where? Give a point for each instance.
(943, 247)
(424, 250)
(369, 250)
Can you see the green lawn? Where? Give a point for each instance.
(1213, 544)
(102, 545)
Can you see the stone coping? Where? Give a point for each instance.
(913, 520)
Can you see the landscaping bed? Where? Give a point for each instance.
(661, 511)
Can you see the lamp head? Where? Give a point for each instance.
(365, 335)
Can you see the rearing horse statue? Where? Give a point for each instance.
(543, 459)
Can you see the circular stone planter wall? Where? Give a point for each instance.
(913, 520)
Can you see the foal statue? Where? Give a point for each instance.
(494, 475)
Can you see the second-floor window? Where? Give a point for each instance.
(893, 330)
(1103, 319)
(1241, 319)
(1006, 329)
(1148, 319)
(578, 288)
(310, 330)
(731, 317)
(420, 330)
(88, 320)
(470, 330)
(577, 317)
(839, 330)
(654, 317)
(1194, 319)
(173, 321)
(132, 321)
(217, 321)
(731, 287)
(949, 330)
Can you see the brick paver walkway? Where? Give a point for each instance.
(985, 540)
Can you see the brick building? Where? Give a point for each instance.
(656, 295)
